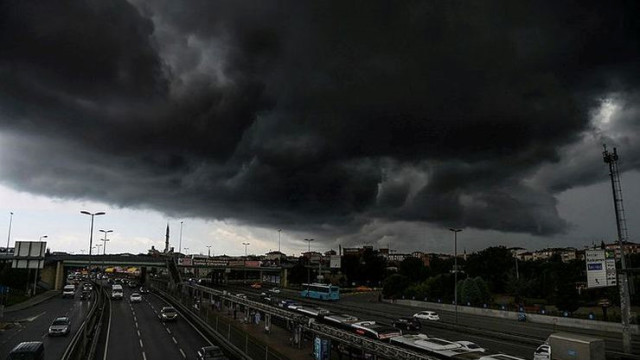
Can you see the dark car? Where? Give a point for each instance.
(86, 295)
(27, 350)
(211, 353)
(407, 323)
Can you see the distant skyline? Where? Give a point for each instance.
(379, 124)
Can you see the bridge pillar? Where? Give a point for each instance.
(283, 278)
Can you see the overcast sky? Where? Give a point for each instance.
(383, 124)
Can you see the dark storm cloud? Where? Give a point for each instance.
(323, 116)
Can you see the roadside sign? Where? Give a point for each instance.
(601, 268)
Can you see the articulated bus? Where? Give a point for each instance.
(320, 291)
(443, 349)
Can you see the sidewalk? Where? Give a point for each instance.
(34, 300)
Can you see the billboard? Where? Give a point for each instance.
(601, 268)
(335, 262)
(29, 254)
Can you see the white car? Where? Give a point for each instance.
(427, 315)
(242, 296)
(135, 298)
(275, 290)
(470, 346)
(543, 352)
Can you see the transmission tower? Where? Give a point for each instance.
(621, 223)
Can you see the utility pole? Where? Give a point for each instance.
(455, 269)
(621, 225)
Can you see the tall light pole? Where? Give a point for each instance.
(245, 261)
(91, 234)
(208, 250)
(9, 235)
(105, 240)
(455, 269)
(35, 281)
(180, 245)
(308, 265)
(279, 230)
(186, 249)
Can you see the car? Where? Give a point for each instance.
(135, 298)
(85, 295)
(363, 288)
(470, 346)
(60, 326)
(275, 290)
(168, 313)
(144, 290)
(69, 291)
(543, 352)
(407, 323)
(427, 315)
(132, 284)
(242, 296)
(256, 286)
(211, 353)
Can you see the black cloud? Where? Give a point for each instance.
(318, 116)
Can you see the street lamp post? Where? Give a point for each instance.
(35, 281)
(91, 234)
(308, 265)
(455, 269)
(104, 249)
(279, 230)
(180, 245)
(245, 261)
(9, 235)
(208, 250)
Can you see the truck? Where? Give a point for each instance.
(567, 346)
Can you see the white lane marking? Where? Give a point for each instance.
(168, 330)
(141, 343)
(189, 322)
(106, 346)
(136, 324)
(183, 354)
(174, 340)
(135, 318)
(138, 333)
(144, 356)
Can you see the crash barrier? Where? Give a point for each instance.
(200, 301)
(84, 341)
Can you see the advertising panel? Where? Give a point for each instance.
(185, 261)
(252, 263)
(29, 254)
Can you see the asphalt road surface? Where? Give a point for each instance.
(136, 332)
(32, 324)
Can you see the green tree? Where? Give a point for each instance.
(395, 285)
(413, 268)
(492, 264)
(469, 292)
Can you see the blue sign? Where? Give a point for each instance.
(321, 349)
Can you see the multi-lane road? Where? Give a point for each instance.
(135, 331)
(32, 324)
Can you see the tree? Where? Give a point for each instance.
(492, 264)
(413, 268)
(395, 285)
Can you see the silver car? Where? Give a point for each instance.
(60, 326)
(168, 313)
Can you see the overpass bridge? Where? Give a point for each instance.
(56, 267)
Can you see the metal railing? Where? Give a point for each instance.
(84, 342)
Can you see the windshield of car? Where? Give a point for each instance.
(168, 310)
(60, 322)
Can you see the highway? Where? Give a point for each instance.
(496, 334)
(32, 324)
(136, 332)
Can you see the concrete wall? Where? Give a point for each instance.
(535, 318)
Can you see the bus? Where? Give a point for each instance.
(439, 348)
(320, 291)
(374, 330)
